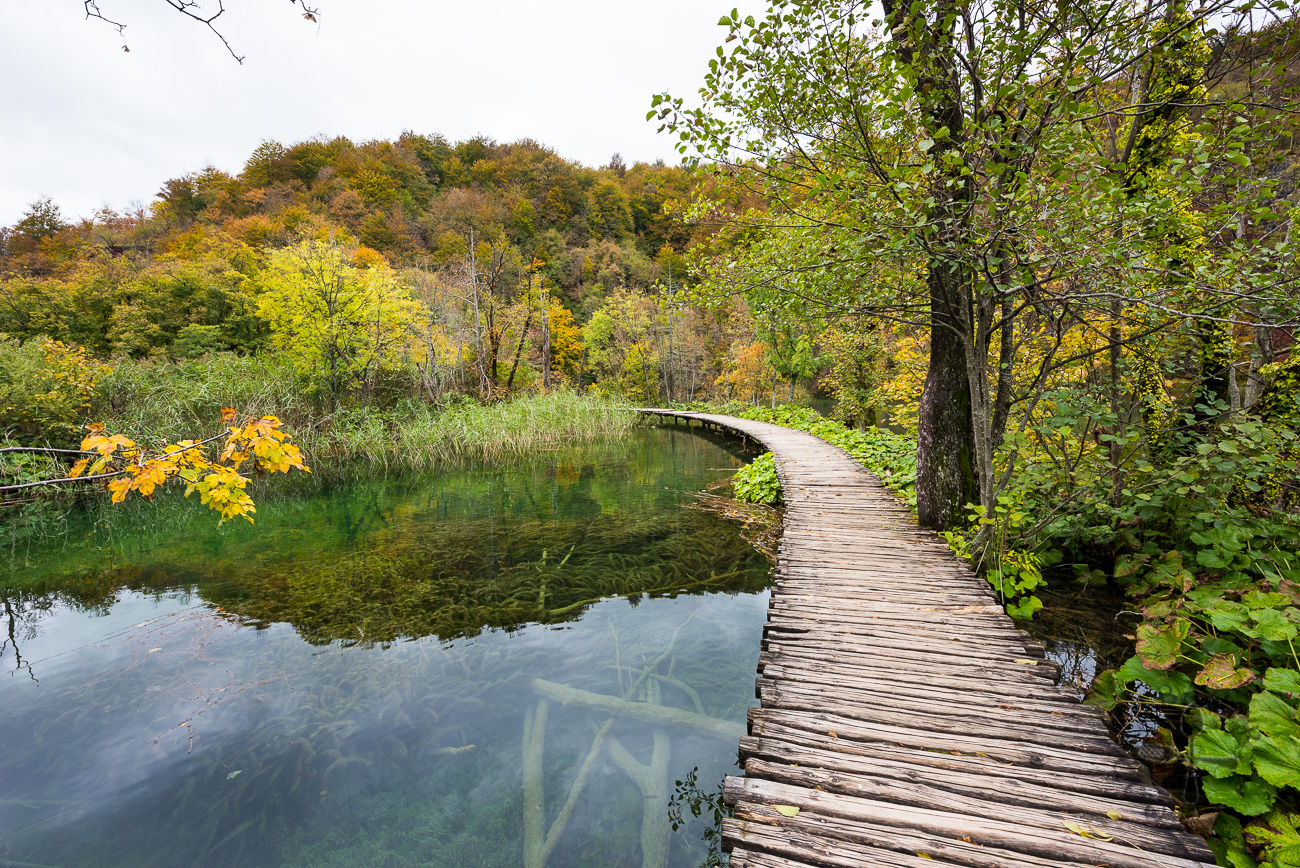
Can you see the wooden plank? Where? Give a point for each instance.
(1078, 734)
(889, 685)
(989, 803)
(1036, 756)
(1166, 851)
(794, 846)
(817, 743)
(1053, 792)
(880, 837)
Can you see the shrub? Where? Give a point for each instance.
(45, 387)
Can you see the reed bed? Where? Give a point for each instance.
(155, 403)
(418, 436)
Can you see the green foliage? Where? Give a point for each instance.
(757, 482)
(688, 794)
(45, 387)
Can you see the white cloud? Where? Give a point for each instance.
(89, 125)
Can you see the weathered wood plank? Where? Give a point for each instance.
(1165, 851)
(1053, 792)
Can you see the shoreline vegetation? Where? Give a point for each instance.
(166, 401)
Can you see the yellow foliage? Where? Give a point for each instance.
(218, 481)
(366, 257)
(566, 340)
(749, 373)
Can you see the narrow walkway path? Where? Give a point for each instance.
(905, 717)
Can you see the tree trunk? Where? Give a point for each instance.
(519, 350)
(1261, 355)
(945, 469)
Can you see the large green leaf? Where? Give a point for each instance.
(1227, 615)
(1248, 796)
(1174, 686)
(1106, 691)
(1229, 843)
(1279, 834)
(1158, 646)
(1282, 680)
(1220, 753)
(1273, 715)
(1272, 625)
(1277, 760)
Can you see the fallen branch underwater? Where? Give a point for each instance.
(660, 715)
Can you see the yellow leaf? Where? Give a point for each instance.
(1085, 832)
(1115, 815)
(786, 810)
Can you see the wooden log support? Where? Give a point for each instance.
(904, 720)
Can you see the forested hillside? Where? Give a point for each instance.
(382, 270)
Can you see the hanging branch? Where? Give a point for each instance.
(190, 9)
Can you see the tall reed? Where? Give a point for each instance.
(162, 402)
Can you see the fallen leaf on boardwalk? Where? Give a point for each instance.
(924, 855)
(1115, 815)
(786, 810)
(1085, 832)
(832, 734)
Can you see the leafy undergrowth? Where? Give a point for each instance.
(756, 482)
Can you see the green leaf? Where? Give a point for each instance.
(1273, 715)
(1227, 615)
(1171, 686)
(1277, 760)
(1158, 646)
(1219, 753)
(1106, 691)
(1273, 625)
(1025, 609)
(1210, 558)
(1248, 796)
(1279, 834)
(1229, 843)
(1281, 680)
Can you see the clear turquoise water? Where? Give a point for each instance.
(349, 682)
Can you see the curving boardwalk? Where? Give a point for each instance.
(905, 717)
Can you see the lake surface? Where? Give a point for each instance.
(486, 667)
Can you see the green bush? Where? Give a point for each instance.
(45, 388)
(756, 482)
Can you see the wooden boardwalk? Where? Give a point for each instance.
(903, 714)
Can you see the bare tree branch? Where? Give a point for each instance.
(192, 9)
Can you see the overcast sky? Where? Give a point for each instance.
(91, 125)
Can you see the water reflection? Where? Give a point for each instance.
(418, 675)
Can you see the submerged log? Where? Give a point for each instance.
(657, 714)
